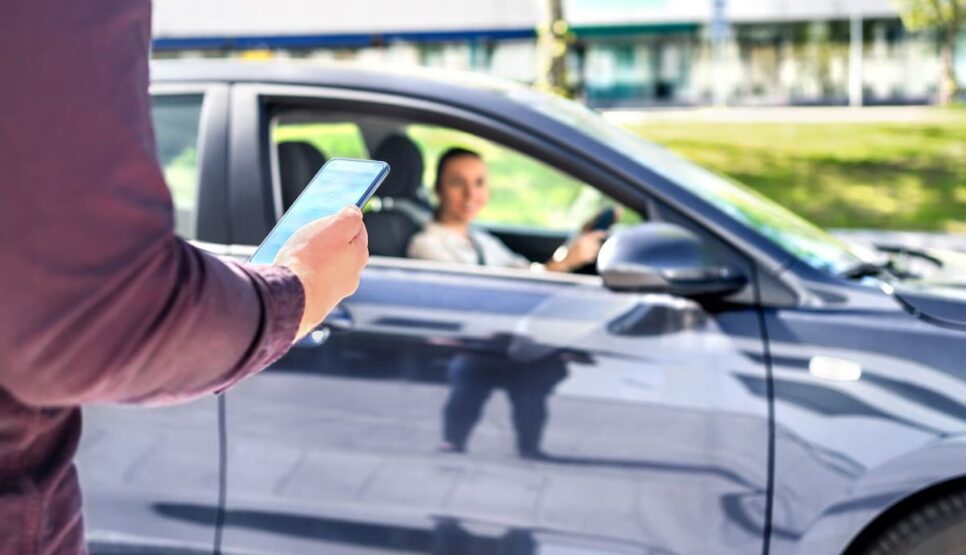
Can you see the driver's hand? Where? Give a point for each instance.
(589, 224)
(582, 251)
(328, 256)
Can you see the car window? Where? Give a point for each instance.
(331, 139)
(302, 146)
(524, 191)
(806, 241)
(176, 122)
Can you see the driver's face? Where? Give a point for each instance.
(463, 190)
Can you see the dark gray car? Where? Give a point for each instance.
(728, 379)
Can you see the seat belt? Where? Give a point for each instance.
(478, 249)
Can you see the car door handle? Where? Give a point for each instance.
(314, 338)
(339, 320)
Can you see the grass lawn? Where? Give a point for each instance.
(909, 176)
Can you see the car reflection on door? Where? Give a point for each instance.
(621, 426)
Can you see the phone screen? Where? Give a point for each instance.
(341, 182)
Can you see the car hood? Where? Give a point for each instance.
(942, 303)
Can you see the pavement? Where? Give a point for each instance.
(908, 239)
(780, 114)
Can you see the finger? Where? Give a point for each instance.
(351, 211)
(362, 237)
(347, 222)
(361, 254)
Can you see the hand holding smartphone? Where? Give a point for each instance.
(341, 182)
(322, 243)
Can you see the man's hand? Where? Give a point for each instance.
(327, 256)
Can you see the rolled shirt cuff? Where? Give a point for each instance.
(283, 302)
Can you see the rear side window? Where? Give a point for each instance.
(176, 122)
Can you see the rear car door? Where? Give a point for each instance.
(593, 421)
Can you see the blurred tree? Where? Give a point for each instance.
(552, 40)
(946, 17)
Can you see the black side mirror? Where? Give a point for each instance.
(664, 258)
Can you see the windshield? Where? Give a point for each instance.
(805, 240)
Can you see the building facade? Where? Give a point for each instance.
(621, 52)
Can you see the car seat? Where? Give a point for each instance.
(298, 162)
(401, 210)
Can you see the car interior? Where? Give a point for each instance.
(555, 205)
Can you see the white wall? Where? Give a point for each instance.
(194, 18)
(200, 18)
(605, 12)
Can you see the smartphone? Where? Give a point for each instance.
(604, 220)
(340, 182)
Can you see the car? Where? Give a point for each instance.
(728, 378)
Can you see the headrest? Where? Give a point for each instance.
(405, 179)
(298, 162)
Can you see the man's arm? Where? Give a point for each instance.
(100, 301)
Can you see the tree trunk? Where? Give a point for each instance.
(552, 49)
(948, 87)
(558, 68)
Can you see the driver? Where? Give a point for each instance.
(462, 188)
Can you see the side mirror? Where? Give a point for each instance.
(663, 258)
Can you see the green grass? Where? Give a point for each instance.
(909, 176)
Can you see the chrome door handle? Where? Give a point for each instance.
(339, 320)
(314, 338)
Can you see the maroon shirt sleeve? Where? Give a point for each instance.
(100, 300)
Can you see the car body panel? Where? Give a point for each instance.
(359, 417)
(737, 430)
(846, 450)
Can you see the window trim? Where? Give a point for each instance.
(389, 263)
(419, 111)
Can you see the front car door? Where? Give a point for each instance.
(594, 421)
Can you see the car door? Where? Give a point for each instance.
(590, 421)
(135, 463)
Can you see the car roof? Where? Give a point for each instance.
(459, 87)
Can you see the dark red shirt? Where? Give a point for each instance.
(99, 300)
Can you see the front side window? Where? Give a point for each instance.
(176, 123)
(524, 191)
(521, 210)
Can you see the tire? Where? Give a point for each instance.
(935, 528)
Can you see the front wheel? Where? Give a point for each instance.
(935, 528)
